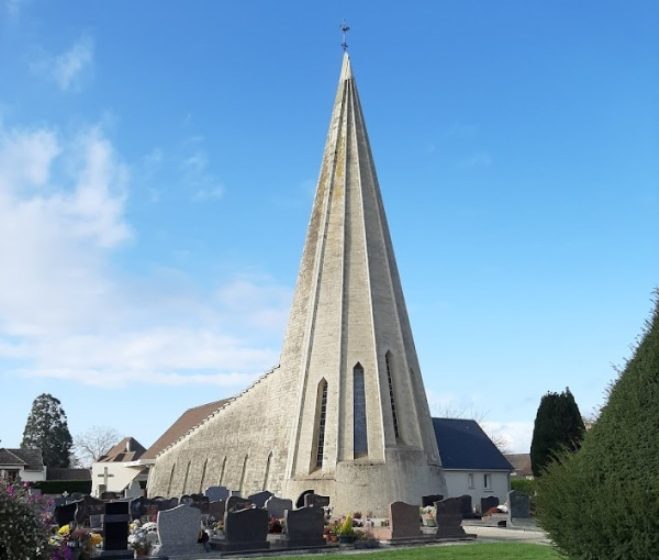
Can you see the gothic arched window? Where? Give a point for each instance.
(171, 478)
(267, 471)
(224, 464)
(360, 437)
(387, 359)
(203, 476)
(242, 476)
(185, 480)
(321, 417)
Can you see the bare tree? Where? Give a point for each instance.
(479, 416)
(91, 445)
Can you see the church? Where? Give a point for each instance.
(345, 412)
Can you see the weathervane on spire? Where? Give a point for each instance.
(344, 29)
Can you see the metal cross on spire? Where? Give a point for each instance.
(344, 29)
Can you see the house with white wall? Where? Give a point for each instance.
(24, 465)
(472, 464)
(118, 468)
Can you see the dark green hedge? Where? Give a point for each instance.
(61, 486)
(522, 485)
(602, 503)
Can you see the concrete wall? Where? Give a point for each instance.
(457, 483)
(235, 447)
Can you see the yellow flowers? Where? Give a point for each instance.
(64, 531)
(95, 539)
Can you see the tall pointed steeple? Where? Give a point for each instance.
(361, 407)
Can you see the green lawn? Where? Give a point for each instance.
(495, 551)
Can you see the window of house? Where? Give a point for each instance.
(470, 480)
(487, 481)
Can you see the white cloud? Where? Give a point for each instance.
(514, 436)
(68, 69)
(69, 65)
(196, 174)
(65, 313)
(479, 159)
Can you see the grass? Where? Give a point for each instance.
(494, 551)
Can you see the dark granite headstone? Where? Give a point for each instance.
(115, 526)
(488, 503)
(217, 493)
(185, 500)
(404, 520)
(304, 527)
(300, 499)
(260, 498)
(200, 502)
(216, 510)
(316, 500)
(277, 506)
(88, 506)
(427, 501)
(246, 529)
(110, 495)
(138, 507)
(449, 518)
(466, 508)
(236, 503)
(65, 513)
(519, 506)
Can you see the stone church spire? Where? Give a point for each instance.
(361, 411)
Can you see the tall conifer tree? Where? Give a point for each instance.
(558, 426)
(47, 429)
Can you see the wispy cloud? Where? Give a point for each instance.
(14, 7)
(65, 313)
(69, 68)
(479, 159)
(197, 177)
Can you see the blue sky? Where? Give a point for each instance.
(157, 168)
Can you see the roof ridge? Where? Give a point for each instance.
(221, 407)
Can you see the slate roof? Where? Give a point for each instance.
(29, 459)
(464, 445)
(68, 474)
(188, 420)
(521, 462)
(128, 449)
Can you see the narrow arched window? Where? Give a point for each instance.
(360, 439)
(242, 476)
(185, 480)
(171, 478)
(387, 359)
(321, 417)
(203, 476)
(266, 478)
(224, 464)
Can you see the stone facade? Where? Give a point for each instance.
(345, 413)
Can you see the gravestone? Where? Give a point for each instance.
(216, 510)
(304, 527)
(96, 521)
(65, 513)
(316, 500)
(260, 498)
(134, 490)
(404, 521)
(428, 501)
(488, 503)
(185, 500)
(277, 506)
(138, 507)
(466, 508)
(236, 503)
(200, 502)
(178, 530)
(519, 506)
(88, 506)
(449, 519)
(115, 531)
(246, 529)
(300, 499)
(217, 493)
(109, 496)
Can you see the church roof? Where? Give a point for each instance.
(463, 445)
(188, 420)
(128, 449)
(29, 459)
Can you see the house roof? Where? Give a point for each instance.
(521, 463)
(464, 445)
(29, 459)
(68, 474)
(128, 449)
(188, 420)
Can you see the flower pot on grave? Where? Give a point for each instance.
(347, 539)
